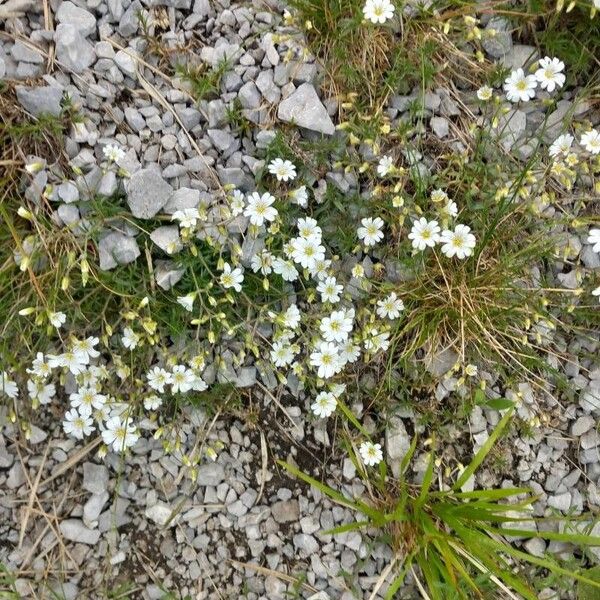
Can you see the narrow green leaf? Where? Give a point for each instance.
(483, 451)
(352, 418)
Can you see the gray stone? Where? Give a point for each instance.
(68, 192)
(95, 478)
(129, 22)
(285, 511)
(264, 138)
(441, 362)
(397, 443)
(162, 514)
(520, 56)
(249, 95)
(134, 119)
(147, 193)
(108, 184)
(181, 199)
(267, 87)
(23, 53)
(40, 100)
(68, 214)
(497, 44)
(246, 377)
(167, 238)
(126, 61)
(92, 509)
(440, 126)
(561, 502)
(115, 249)
(301, 72)
(167, 274)
(304, 108)
(73, 51)
(6, 458)
(511, 127)
(306, 544)
(210, 474)
(84, 21)
(220, 139)
(75, 531)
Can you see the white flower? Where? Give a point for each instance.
(199, 385)
(370, 453)
(451, 209)
(324, 405)
(459, 243)
(291, 317)
(520, 87)
(232, 278)
(285, 268)
(439, 196)
(326, 359)
(349, 352)
(157, 378)
(130, 339)
(237, 203)
(40, 391)
(8, 387)
(424, 233)
(284, 170)
(485, 92)
(85, 399)
(308, 228)
(39, 367)
(282, 353)
(370, 232)
(358, 271)
(152, 402)
(263, 262)
(330, 290)
(182, 379)
(87, 347)
(390, 307)
(594, 238)
(119, 434)
(591, 141)
(113, 153)
(337, 326)
(300, 196)
(561, 145)
(57, 319)
(259, 208)
(549, 73)
(187, 217)
(307, 251)
(596, 292)
(321, 269)
(187, 301)
(471, 370)
(75, 362)
(385, 166)
(77, 425)
(377, 340)
(378, 11)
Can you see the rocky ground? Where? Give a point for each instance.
(77, 526)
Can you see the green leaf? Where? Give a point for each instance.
(347, 527)
(483, 451)
(352, 418)
(499, 403)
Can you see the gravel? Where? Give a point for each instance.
(304, 108)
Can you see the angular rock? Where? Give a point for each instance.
(167, 238)
(75, 531)
(500, 42)
(115, 249)
(95, 478)
(182, 198)
(23, 53)
(304, 108)
(167, 274)
(40, 100)
(147, 193)
(162, 514)
(73, 51)
(285, 511)
(397, 443)
(83, 20)
(210, 474)
(68, 192)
